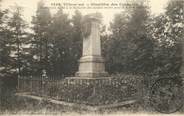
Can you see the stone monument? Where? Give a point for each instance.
(91, 64)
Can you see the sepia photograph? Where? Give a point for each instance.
(91, 57)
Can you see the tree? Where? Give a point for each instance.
(129, 48)
(11, 40)
(4, 49)
(66, 43)
(40, 38)
(167, 31)
(62, 43)
(77, 39)
(17, 38)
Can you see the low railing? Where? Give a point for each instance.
(88, 91)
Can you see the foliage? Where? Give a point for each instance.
(167, 32)
(7, 93)
(40, 39)
(57, 42)
(66, 43)
(141, 43)
(129, 48)
(17, 38)
(12, 39)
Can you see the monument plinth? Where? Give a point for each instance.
(91, 64)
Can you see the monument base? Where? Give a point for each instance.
(89, 78)
(91, 75)
(91, 67)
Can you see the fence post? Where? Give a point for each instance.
(18, 83)
(31, 84)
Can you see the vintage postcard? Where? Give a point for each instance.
(91, 57)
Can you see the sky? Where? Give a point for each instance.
(30, 6)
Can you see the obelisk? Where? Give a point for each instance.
(91, 64)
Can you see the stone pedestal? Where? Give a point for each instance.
(91, 64)
(91, 67)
